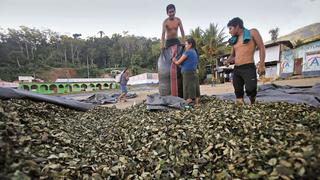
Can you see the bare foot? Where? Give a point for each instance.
(189, 101)
(197, 105)
(252, 100)
(240, 102)
(197, 101)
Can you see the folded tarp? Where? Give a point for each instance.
(104, 98)
(9, 93)
(157, 102)
(275, 93)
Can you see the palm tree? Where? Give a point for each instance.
(214, 42)
(76, 35)
(197, 34)
(274, 34)
(125, 33)
(101, 33)
(211, 43)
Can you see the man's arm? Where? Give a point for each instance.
(181, 30)
(262, 53)
(163, 33)
(231, 58)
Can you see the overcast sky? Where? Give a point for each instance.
(145, 17)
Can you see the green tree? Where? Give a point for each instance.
(274, 33)
(101, 33)
(211, 43)
(29, 50)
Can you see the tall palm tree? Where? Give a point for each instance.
(197, 35)
(211, 43)
(214, 42)
(274, 33)
(101, 33)
(76, 35)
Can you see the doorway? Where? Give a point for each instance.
(297, 69)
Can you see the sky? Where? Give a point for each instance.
(145, 17)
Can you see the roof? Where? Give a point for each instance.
(304, 34)
(284, 42)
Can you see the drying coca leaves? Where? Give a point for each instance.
(217, 141)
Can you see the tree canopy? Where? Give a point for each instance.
(27, 51)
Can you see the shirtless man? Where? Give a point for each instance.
(170, 27)
(171, 47)
(244, 42)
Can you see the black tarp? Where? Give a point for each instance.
(165, 72)
(105, 98)
(157, 102)
(275, 93)
(8, 93)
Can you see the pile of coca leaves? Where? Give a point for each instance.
(219, 140)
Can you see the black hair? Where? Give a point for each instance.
(235, 22)
(193, 44)
(171, 6)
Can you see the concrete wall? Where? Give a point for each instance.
(272, 55)
(310, 53)
(145, 78)
(60, 88)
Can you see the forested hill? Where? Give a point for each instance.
(28, 51)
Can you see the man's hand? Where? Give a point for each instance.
(228, 61)
(261, 69)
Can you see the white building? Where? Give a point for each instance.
(303, 60)
(273, 57)
(25, 78)
(8, 84)
(73, 80)
(145, 78)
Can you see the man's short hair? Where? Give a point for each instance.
(235, 21)
(171, 6)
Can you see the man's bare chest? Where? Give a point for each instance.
(240, 46)
(172, 25)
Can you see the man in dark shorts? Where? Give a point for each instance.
(170, 80)
(244, 42)
(170, 28)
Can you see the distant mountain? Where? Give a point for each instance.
(302, 35)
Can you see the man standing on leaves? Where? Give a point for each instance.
(170, 28)
(171, 47)
(244, 43)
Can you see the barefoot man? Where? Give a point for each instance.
(170, 28)
(244, 42)
(170, 79)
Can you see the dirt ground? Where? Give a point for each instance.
(209, 90)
